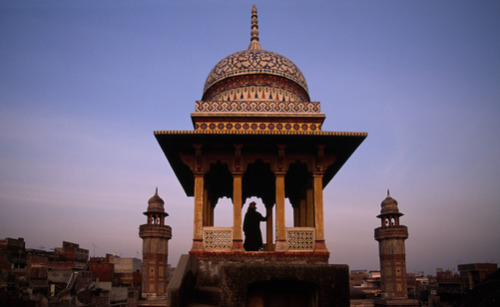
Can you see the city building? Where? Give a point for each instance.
(472, 274)
(486, 291)
(14, 252)
(258, 135)
(391, 236)
(155, 235)
(63, 276)
(121, 272)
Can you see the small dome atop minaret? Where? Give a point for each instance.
(155, 203)
(389, 206)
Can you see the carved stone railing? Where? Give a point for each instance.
(217, 238)
(300, 238)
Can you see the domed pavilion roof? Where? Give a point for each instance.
(255, 62)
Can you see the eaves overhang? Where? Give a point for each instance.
(174, 142)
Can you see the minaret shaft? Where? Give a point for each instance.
(155, 235)
(391, 237)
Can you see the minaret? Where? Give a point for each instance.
(155, 235)
(391, 237)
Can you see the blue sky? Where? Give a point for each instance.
(83, 85)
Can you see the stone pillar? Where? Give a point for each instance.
(310, 207)
(303, 212)
(296, 215)
(206, 207)
(280, 212)
(211, 213)
(237, 204)
(318, 211)
(269, 228)
(198, 212)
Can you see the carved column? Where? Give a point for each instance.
(310, 207)
(237, 172)
(318, 199)
(206, 206)
(303, 212)
(269, 228)
(199, 193)
(237, 204)
(279, 173)
(280, 212)
(296, 214)
(318, 212)
(198, 212)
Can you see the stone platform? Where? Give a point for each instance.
(256, 279)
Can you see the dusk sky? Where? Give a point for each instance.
(83, 85)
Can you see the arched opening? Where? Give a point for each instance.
(282, 293)
(219, 189)
(259, 181)
(261, 209)
(224, 213)
(298, 189)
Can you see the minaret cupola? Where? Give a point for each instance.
(389, 214)
(156, 212)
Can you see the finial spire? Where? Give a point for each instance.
(254, 32)
(388, 194)
(156, 192)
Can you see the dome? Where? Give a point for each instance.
(389, 206)
(249, 62)
(155, 203)
(254, 68)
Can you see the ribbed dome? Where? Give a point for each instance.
(155, 203)
(389, 206)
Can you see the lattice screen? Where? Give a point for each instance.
(300, 238)
(217, 238)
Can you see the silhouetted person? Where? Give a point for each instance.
(251, 227)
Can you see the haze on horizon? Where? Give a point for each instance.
(84, 84)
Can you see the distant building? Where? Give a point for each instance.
(50, 271)
(14, 252)
(155, 235)
(59, 277)
(12, 264)
(391, 236)
(448, 291)
(122, 272)
(473, 273)
(102, 270)
(486, 292)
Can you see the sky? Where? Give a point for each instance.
(84, 84)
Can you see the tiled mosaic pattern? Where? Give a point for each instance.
(258, 107)
(257, 126)
(253, 62)
(267, 88)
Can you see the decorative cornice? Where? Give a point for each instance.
(258, 106)
(226, 132)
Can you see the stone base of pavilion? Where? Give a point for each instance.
(259, 279)
(396, 303)
(152, 303)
